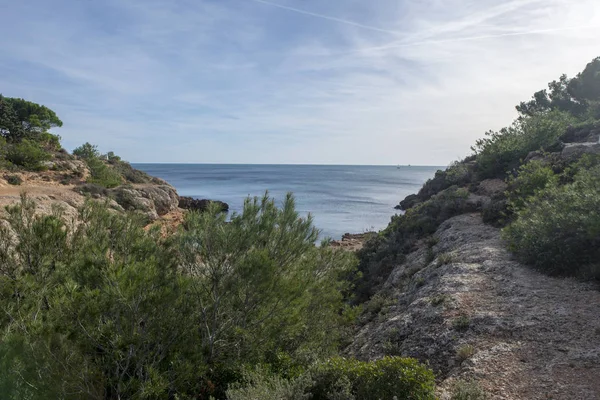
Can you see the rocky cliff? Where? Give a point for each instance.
(454, 297)
(463, 305)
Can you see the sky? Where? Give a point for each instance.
(289, 81)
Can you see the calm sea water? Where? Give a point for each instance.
(341, 198)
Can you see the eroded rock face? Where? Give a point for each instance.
(189, 203)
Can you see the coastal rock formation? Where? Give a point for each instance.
(189, 203)
(153, 200)
(466, 307)
(351, 241)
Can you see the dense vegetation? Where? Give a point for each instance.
(550, 210)
(104, 309)
(24, 138)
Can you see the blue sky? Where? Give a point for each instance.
(289, 81)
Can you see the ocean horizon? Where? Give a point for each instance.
(341, 198)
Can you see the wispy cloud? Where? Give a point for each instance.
(326, 17)
(287, 81)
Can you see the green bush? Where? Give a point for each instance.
(531, 178)
(87, 151)
(13, 180)
(27, 154)
(502, 151)
(102, 174)
(49, 141)
(467, 390)
(496, 212)
(130, 174)
(262, 385)
(342, 379)
(389, 377)
(104, 308)
(461, 323)
(558, 228)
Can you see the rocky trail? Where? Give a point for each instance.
(475, 314)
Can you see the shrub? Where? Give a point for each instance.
(102, 174)
(109, 309)
(262, 385)
(503, 150)
(467, 390)
(128, 172)
(558, 229)
(446, 258)
(496, 212)
(439, 299)
(27, 154)
(87, 151)
(13, 180)
(531, 177)
(461, 323)
(49, 141)
(389, 377)
(342, 379)
(465, 352)
(378, 304)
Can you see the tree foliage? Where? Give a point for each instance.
(574, 95)
(102, 308)
(557, 228)
(20, 119)
(24, 126)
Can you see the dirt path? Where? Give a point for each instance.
(533, 336)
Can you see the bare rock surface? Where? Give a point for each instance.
(576, 150)
(465, 307)
(352, 241)
(153, 200)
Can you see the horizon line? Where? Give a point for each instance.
(291, 164)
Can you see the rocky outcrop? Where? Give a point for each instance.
(409, 202)
(491, 187)
(575, 150)
(189, 203)
(462, 304)
(152, 200)
(352, 241)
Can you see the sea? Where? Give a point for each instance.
(341, 198)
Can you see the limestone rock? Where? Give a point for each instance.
(153, 200)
